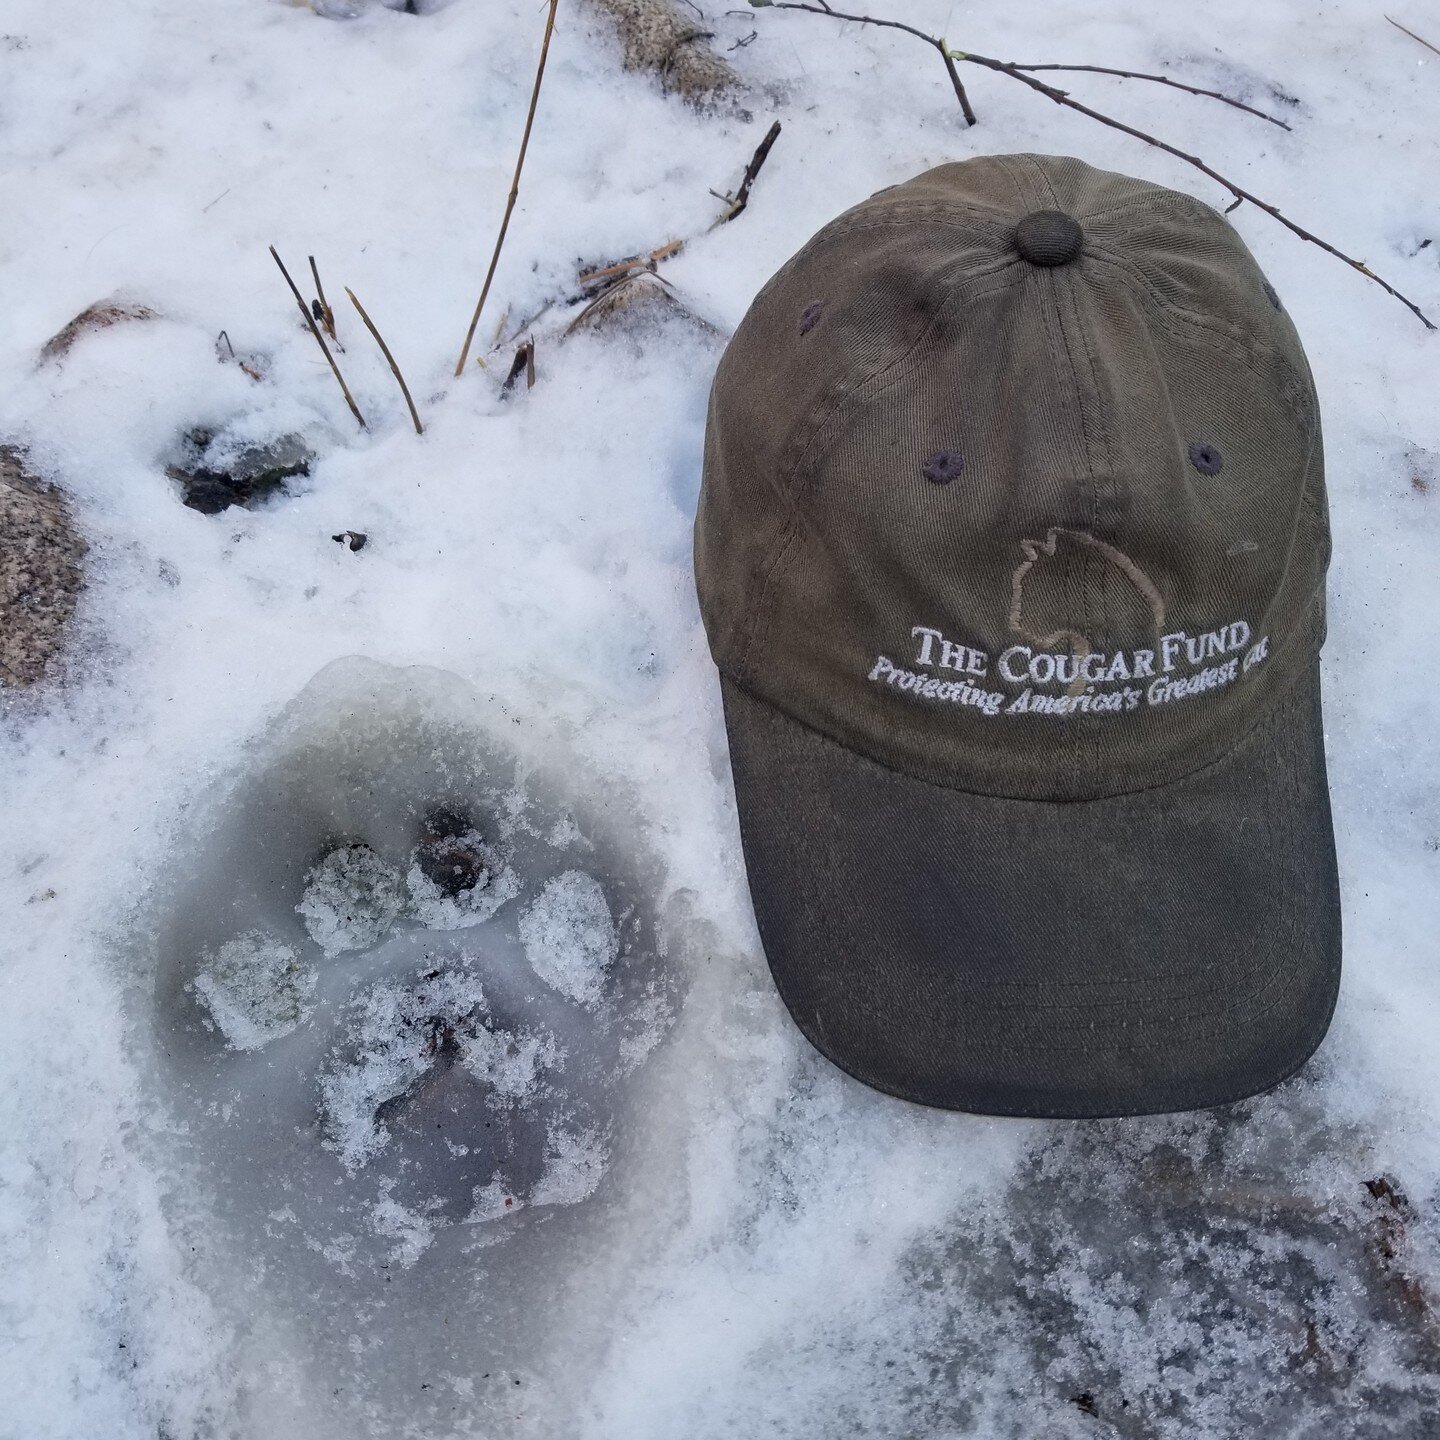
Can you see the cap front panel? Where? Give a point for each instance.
(1071, 542)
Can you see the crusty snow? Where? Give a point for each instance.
(692, 1225)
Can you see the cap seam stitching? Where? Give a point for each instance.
(1241, 341)
(1232, 347)
(1089, 494)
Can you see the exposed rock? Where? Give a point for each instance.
(218, 471)
(40, 572)
(638, 298)
(99, 316)
(672, 42)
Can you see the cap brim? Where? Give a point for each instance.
(1166, 950)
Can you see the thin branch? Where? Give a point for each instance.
(319, 338)
(514, 188)
(385, 350)
(1004, 67)
(501, 339)
(1413, 35)
(1161, 80)
(742, 196)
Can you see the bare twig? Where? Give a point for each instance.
(319, 338)
(514, 188)
(325, 315)
(385, 350)
(741, 198)
(1005, 67)
(1161, 80)
(966, 109)
(1413, 35)
(823, 8)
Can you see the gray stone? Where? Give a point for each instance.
(636, 300)
(40, 572)
(99, 316)
(217, 471)
(670, 41)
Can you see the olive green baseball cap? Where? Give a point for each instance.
(1011, 552)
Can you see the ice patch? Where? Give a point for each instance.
(493, 1202)
(255, 989)
(352, 897)
(570, 937)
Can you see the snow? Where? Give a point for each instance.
(713, 1233)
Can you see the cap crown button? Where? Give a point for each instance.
(1049, 237)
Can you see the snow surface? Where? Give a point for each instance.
(716, 1234)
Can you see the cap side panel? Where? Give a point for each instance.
(773, 386)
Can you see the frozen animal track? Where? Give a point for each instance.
(400, 1002)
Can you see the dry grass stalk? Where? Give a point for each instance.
(1414, 36)
(319, 338)
(588, 279)
(385, 350)
(320, 307)
(514, 188)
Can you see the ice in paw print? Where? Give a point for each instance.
(255, 989)
(403, 997)
(352, 898)
(570, 937)
(463, 1101)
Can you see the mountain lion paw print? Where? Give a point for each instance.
(405, 989)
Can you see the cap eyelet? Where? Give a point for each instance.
(1205, 458)
(810, 316)
(943, 466)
